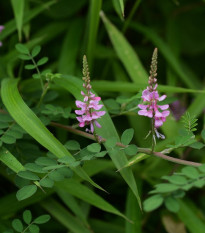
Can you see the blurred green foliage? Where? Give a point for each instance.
(118, 38)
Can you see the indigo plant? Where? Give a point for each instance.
(111, 148)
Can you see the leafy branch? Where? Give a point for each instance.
(26, 55)
(31, 226)
(143, 150)
(174, 188)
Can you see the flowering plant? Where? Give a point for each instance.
(150, 106)
(89, 107)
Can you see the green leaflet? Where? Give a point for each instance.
(25, 117)
(75, 85)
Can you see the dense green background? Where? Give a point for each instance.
(119, 52)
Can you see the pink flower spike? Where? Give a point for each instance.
(88, 112)
(150, 97)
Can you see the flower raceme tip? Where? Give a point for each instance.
(150, 96)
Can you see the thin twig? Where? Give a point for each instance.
(143, 150)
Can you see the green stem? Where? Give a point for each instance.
(131, 14)
(45, 89)
(38, 71)
(27, 228)
(143, 150)
(153, 135)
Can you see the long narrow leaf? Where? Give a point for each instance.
(10, 161)
(126, 53)
(80, 191)
(93, 27)
(190, 219)
(18, 8)
(70, 48)
(133, 213)
(129, 87)
(63, 216)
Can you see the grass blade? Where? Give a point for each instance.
(63, 216)
(72, 204)
(70, 48)
(129, 87)
(121, 2)
(18, 8)
(81, 191)
(10, 161)
(93, 28)
(125, 53)
(132, 213)
(190, 219)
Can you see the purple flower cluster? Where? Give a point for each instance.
(1, 29)
(88, 114)
(150, 96)
(151, 109)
